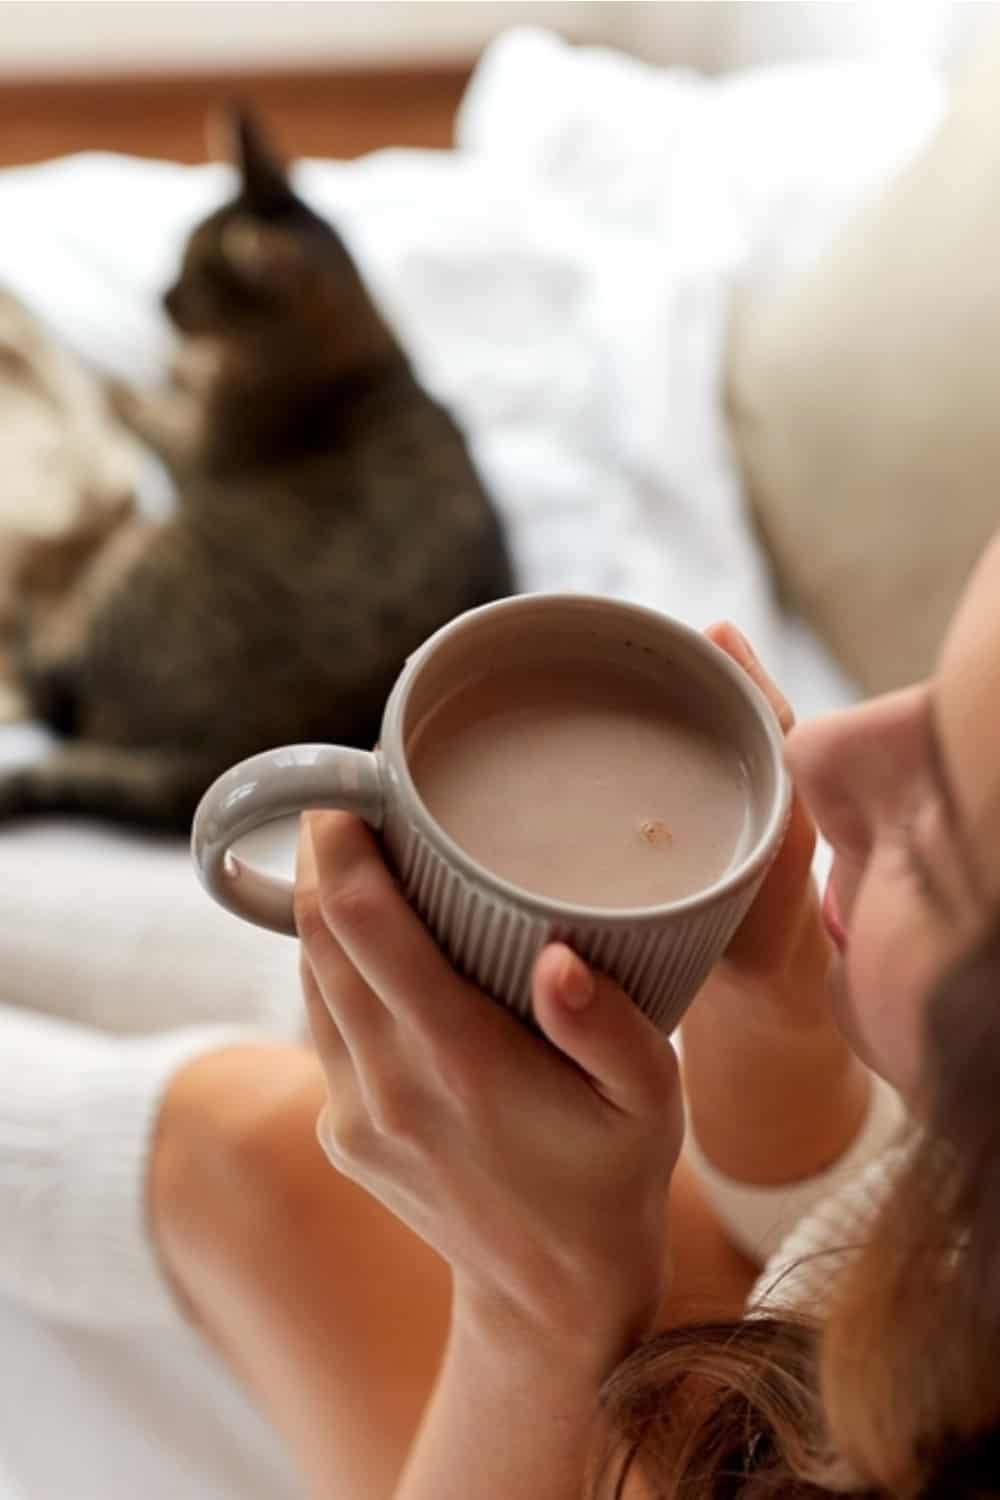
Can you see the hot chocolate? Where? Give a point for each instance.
(582, 783)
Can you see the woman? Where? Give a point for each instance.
(570, 1245)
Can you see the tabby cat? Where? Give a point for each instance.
(328, 519)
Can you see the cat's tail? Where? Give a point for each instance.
(155, 789)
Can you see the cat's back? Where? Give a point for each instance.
(303, 583)
(379, 498)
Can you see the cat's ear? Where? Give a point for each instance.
(265, 180)
(263, 256)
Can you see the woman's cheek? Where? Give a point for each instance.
(878, 1000)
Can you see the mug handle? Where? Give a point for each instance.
(274, 784)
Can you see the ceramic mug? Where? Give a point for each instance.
(493, 930)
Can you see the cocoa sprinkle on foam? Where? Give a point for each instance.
(655, 831)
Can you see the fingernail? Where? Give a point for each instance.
(576, 984)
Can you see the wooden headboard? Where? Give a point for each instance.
(333, 113)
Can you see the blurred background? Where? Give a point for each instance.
(339, 79)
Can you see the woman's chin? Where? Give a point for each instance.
(845, 1016)
(839, 996)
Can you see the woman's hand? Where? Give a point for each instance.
(540, 1173)
(774, 1092)
(781, 951)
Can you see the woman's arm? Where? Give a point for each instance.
(537, 1398)
(540, 1173)
(513, 1414)
(774, 1093)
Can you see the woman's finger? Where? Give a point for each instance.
(593, 1021)
(735, 644)
(330, 981)
(325, 1032)
(305, 855)
(779, 901)
(379, 932)
(800, 836)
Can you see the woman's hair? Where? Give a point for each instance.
(897, 1392)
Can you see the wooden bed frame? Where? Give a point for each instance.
(333, 113)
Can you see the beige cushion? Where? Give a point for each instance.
(864, 403)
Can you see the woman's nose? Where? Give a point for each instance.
(851, 767)
(822, 757)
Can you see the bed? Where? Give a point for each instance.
(563, 279)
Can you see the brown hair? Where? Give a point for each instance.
(898, 1391)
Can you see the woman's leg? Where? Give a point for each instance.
(329, 1310)
(325, 1306)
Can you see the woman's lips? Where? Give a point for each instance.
(832, 918)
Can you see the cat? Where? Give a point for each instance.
(328, 519)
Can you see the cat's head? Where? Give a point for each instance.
(266, 273)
